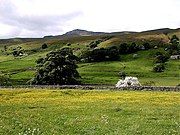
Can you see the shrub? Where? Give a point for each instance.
(133, 47)
(174, 37)
(17, 53)
(174, 47)
(5, 80)
(161, 57)
(40, 60)
(159, 67)
(146, 45)
(44, 46)
(68, 44)
(94, 44)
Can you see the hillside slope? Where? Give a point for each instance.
(20, 69)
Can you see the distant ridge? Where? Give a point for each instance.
(79, 32)
(163, 30)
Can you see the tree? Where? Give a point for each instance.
(174, 47)
(44, 46)
(161, 57)
(57, 68)
(146, 45)
(113, 53)
(123, 48)
(174, 37)
(133, 47)
(100, 54)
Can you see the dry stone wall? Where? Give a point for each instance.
(98, 87)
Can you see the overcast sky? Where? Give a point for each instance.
(37, 18)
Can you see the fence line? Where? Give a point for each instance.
(98, 87)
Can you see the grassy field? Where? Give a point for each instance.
(141, 67)
(37, 112)
(22, 69)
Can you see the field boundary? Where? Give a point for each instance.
(98, 87)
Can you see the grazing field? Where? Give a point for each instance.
(48, 112)
(141, 67)
(20, 70)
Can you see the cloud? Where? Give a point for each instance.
(134, 15)
(31, 24)
(37, 18)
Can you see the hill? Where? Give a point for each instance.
(18, 70)
(79, 32)
(85, 33)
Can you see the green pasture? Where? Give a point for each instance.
(20, 70)
(88, 112)
(141, 67)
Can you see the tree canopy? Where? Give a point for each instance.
(57, 68)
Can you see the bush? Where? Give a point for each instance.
(5, 80)
(146, 45)
(68, 44)
(133, 47)
(94, 44)
(17, 53)
(159, 67)
(161, 57)
(44, 46)
(174, 47)
(174, 37)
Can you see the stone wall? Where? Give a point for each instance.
(98, 87)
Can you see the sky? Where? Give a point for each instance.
(38, 18)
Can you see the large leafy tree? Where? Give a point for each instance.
(57, 68)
